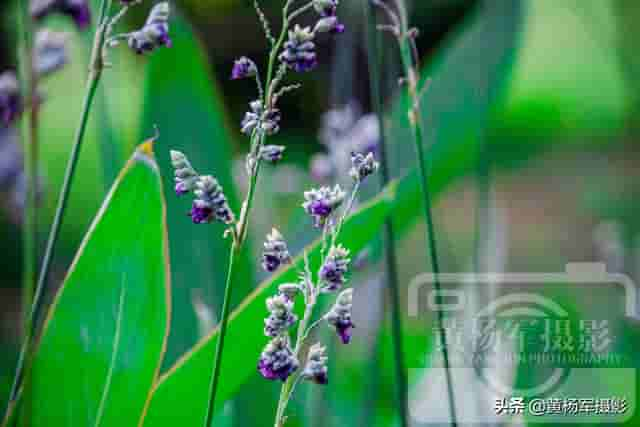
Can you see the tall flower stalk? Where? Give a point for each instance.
(154, 34)
(292, 51)
(391, 262)
(398, 25)
(281, 357)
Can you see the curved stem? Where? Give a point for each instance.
(95, 73)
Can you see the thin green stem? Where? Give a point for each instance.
(240, 232)
(391, 261)
(30, 134)
(217, 361)
(95, 72)
(415, 120)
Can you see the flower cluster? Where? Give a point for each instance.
(210, 202)
(334, 269)
(277, 361)
(321, 203)
(154, 33)
(281, 315)
(275, 252)
(363, 166)
(299, 51)
(280, 358)
(340, 315)
(257, 118)
(329, 21)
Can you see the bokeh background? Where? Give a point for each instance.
(533, 118)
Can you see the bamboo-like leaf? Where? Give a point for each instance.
(105, 334)
(181, 394)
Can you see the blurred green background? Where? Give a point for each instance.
(533, 118)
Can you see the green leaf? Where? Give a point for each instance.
(182, 98)
(181, 394)
(105, 334)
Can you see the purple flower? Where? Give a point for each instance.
(334, 269)
(272, 153)
(329, 24)
(210, 202)
(316, 368)
(344, 330)
(327, 10)
(320, 204)
(275, 252)
(243, 68)
(201, 213)
(277, 361)
(362, 166)
(155, 32)
(78, 10)
(259, 119)
(299, 51)
(11, 104)
(340, 316)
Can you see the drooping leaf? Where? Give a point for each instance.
(105, 333)
(181, 394)
(182, 99)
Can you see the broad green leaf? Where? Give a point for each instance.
(105, 334)
(182, 99)
(181, 394)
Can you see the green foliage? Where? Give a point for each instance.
(182, 99)
(105, 333)
(181, 395)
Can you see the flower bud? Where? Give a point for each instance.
(277, 361)
(334, 269)
(155, 32)
(299, 51)
(281, 316)
(272, 153)
(210, 202)
(265, 121)
(362, 166)
(315, 369)
(243, 68)
(275, 252)
(320, 204)
(185, 176)
(340, 315)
